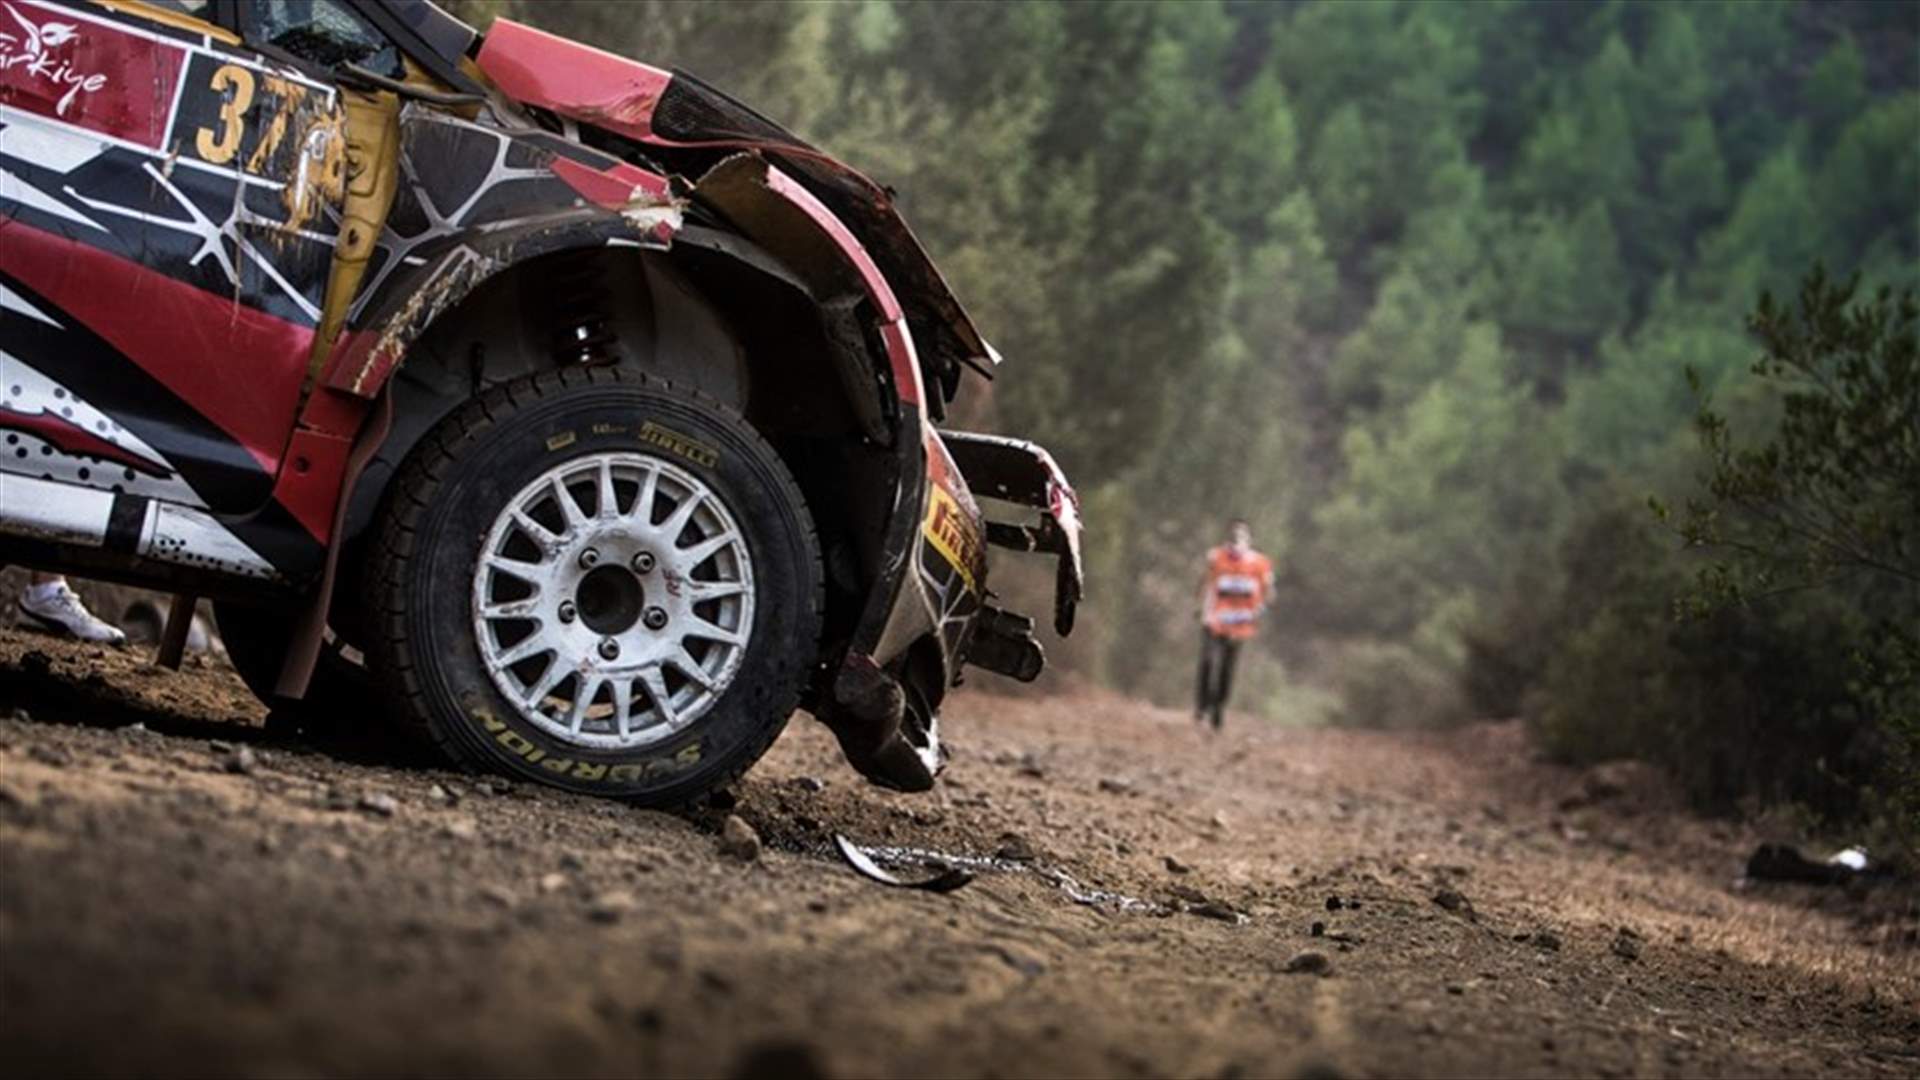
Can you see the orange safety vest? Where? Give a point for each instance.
(1238, 586)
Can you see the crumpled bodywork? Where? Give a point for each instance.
(474, 200)
(769, 207)
(672, 109)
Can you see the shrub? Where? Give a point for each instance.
(1389, 685)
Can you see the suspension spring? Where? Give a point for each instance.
(575, 307)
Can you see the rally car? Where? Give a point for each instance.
(551, 404)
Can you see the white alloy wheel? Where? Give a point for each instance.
(613, 600)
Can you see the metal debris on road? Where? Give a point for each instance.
(947, 880)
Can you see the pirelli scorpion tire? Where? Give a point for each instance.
(599, 581)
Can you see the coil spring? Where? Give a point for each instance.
(576, 307)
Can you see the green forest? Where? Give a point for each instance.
(1459, 304)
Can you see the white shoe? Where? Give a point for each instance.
(55, 607)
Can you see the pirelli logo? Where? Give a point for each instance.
(953, 535)
(677, 444)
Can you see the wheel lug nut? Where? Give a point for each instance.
(655, 618)
(588, 558)
(567, 611)
(643, 563)
(609, 649)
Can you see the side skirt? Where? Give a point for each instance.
(133, 525)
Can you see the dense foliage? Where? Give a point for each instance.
(1414, 287)
(1818, 525)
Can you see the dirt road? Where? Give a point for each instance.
(182, 894)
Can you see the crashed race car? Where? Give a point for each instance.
(551, 404)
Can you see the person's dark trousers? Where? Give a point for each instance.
(1217, 655)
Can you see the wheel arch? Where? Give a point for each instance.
(714, 311)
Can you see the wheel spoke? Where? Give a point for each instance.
(622, 704)
(576, 517)
(695, 592)
(703, 590)
(657, 693)
(609, 506)
(708, 630)
(585, 689)
(531, 573)
(537, 691)
(535, 531)
(512, 609)
(676, 523)
(704, 550)
(649, 494)
(688, 666)
(526, 649)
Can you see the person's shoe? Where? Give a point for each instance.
(54, 607)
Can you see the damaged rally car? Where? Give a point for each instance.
(554, 405)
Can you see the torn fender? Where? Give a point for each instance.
(578, 81)
(1023, 473)
(673, 109)
(368, 354)
(469, 200)
(769, 208)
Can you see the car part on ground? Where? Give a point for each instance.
(945, 879)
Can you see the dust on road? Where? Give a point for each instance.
(182, 894)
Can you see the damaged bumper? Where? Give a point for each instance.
(1024, 474)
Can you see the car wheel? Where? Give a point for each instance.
(599, 581)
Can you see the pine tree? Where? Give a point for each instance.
(1693, 179)
(1835, 91)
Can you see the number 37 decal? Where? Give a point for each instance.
(236, 115)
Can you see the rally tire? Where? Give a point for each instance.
(430, 652)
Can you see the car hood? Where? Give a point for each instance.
(672, 109)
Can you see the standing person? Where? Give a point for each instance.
(53, 606)
(1238, 585)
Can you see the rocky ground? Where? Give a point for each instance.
(182, 893)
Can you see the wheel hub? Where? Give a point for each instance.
(613, 600)
(609, 599)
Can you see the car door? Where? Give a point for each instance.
(168, 206)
